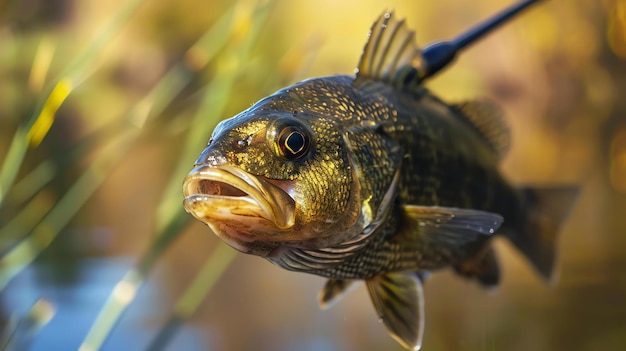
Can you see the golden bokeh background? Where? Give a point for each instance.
(558, 71)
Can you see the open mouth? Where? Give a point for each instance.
(226, 194)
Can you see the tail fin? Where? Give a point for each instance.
(546, 208)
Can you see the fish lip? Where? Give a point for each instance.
(253, 196)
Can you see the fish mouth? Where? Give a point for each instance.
(237, 204)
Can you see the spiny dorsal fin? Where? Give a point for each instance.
(390, 54)
(489, 121)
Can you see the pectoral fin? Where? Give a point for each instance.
(333, 291)
(451, 227)
(399, 301)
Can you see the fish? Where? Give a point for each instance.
(371, 177)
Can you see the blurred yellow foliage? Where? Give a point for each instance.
(616, 30)
(45, 119)
(618, 160)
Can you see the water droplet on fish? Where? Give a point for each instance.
(491, 230)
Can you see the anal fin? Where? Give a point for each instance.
(483, 266)
(399, 301)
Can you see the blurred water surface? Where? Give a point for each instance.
(558, 71)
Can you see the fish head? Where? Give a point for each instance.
(276, 175)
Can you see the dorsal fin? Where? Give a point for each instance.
(489, 121)
(390, 54)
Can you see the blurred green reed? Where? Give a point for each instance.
(34, 319)
(170, 216)
(42, 218)
(30, 133)
(34, 129)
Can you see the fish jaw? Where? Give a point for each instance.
(239, 207)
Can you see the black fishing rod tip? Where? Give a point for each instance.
(438, 55)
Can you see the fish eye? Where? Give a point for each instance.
(292, 140)
(292, 143)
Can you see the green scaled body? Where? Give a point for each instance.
(371, 177)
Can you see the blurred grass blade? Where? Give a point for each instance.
(27, 250)
(24, 222)
(121, 297)
(168, 229)
(13, 161)
(212, 270)
(45, 232)
(123, 293)
(160, 96)
(191, 299)
(41, 65)
(33, 182)
(31, 131)
(212, 41)
(173, 82)
(45, 119)
(21, 331)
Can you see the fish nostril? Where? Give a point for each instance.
(210, 157)
(211, 187)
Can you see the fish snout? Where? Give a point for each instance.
(210, 157)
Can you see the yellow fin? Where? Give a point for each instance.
(399, 301)
(390, 54)
(487, 118)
